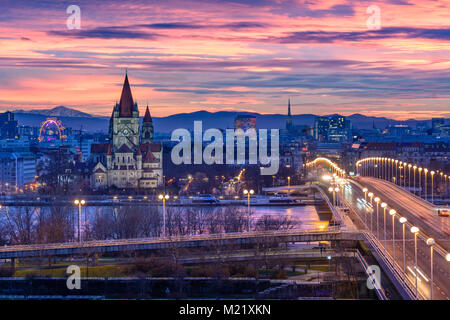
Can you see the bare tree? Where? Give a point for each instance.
(54, 224)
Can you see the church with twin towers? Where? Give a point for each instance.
(131, 159)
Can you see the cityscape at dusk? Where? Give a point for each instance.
(217, 159)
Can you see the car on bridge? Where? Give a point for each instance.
(444, 213)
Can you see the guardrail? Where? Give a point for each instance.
(217, 236)
(336, 213)
(386, 257)
(378, 288)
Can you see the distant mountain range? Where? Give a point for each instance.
(59, 111)
(222, 120)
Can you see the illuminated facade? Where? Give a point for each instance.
(132, 160)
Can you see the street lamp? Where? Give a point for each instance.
(392, 167)
(415, 230)
(332, 190)
(248, 193)
(431, 242)
(432, 186)
(336, 189)
(414, 171)
(403, 222)
(420, 182)
(409, 176)
(426, 191)
(79, 203)
(365, 193)
(384, 206)
(164, 197)
(370, 196)
(392, 212)
(377, 200)
(396, 170)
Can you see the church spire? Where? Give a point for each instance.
(147, 127)
(126, 99)
(147, 116)
(289, 116)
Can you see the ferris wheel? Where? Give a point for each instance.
(51, 130)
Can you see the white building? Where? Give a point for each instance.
(132, 160)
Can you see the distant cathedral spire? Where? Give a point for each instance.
(147, 127)
(289, 116)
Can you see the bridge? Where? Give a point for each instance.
(143, 244)
(409, 176)
(389, 213)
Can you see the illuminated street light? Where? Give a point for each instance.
(79, 203)
(248, 193)
(432, 187)
(384, 206)
(415, 230)
(403, 222)
(431, 242)
(409, 176)
(365, 193)
(377, 200)
(420, 182)
(370, 196)
(414, 171)
(164, 197)
(392, 212)
(426, 190)
(336, 189)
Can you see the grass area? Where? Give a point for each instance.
(94, 271)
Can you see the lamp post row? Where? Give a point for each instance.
(395, 170)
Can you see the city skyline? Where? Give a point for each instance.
(179, 58)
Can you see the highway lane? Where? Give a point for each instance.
(417, 211)
(354, 196)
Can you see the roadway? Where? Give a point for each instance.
(422, 213)
(418, 214)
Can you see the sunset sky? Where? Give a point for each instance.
(245, 55)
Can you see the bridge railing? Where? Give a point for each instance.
(218, 236)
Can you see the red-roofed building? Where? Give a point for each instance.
(132, 160)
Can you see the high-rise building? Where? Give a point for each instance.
(333, 128)
(16, 170)
(437, 123)
(8, 126)
(132, 160)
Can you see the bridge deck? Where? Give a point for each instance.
(72, 248)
